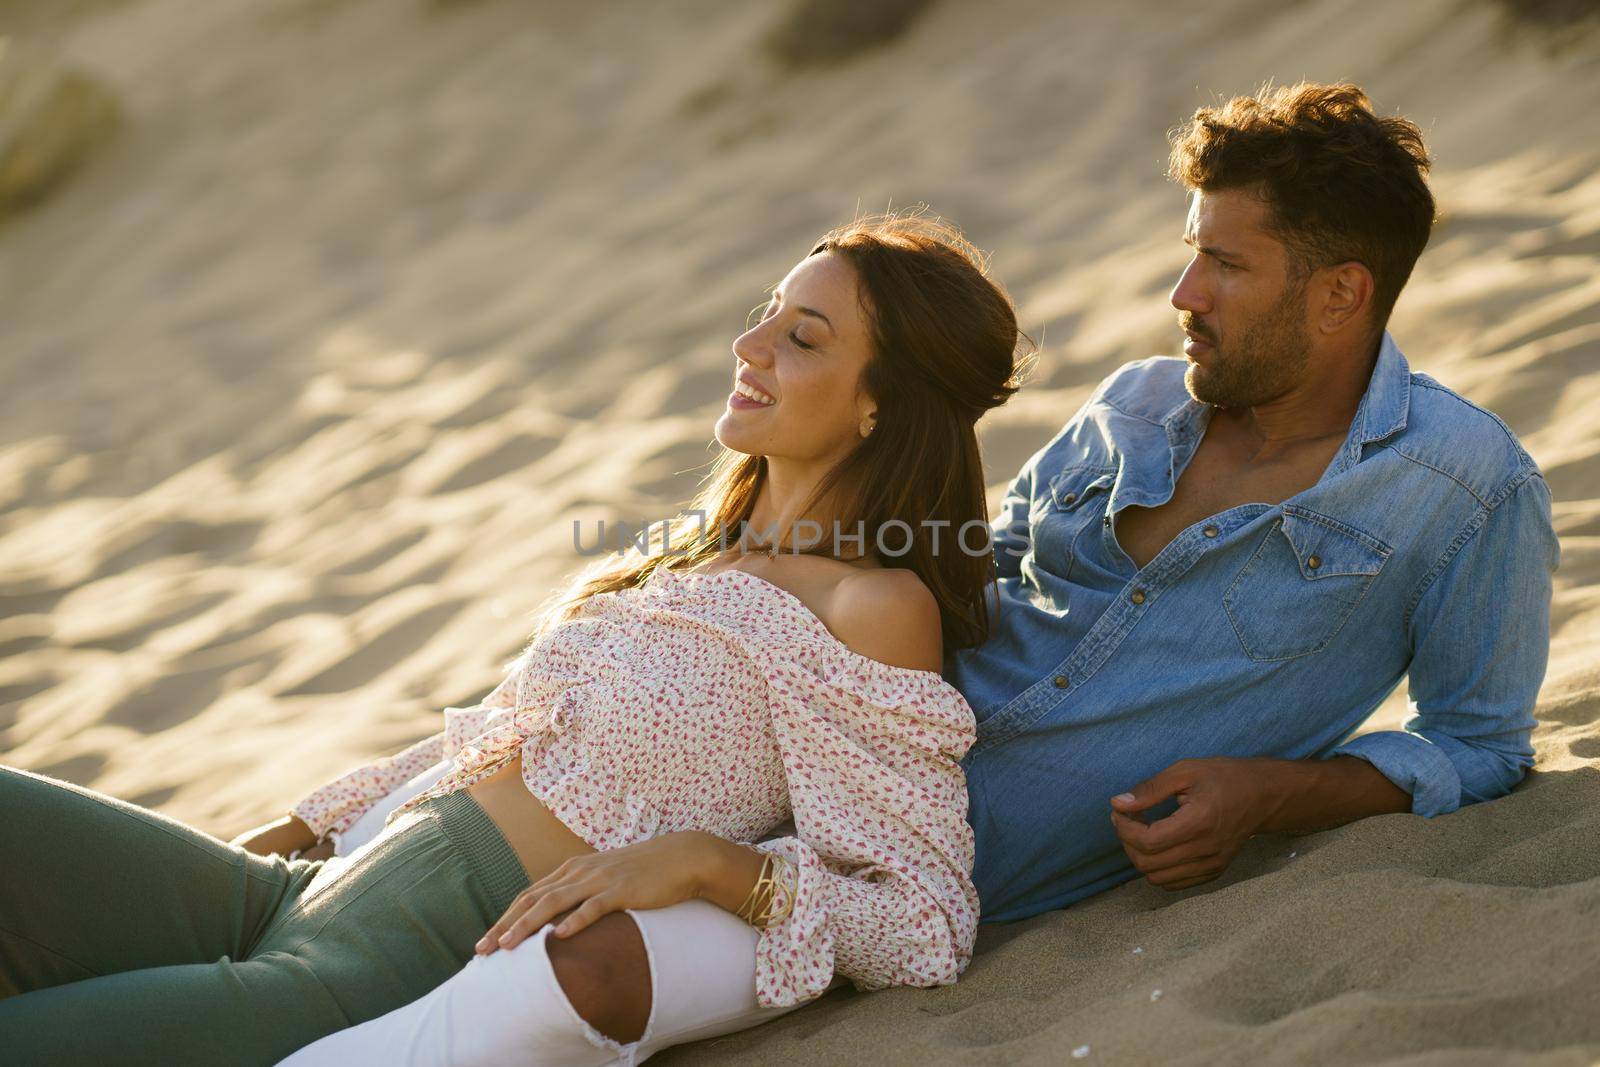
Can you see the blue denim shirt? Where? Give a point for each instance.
(1426, 548)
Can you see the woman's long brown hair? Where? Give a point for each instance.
(945, 350)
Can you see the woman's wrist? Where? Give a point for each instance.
(725, 871)
(302, 830)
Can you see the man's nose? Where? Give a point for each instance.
(1190, 294)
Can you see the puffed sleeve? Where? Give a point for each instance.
(882, 852)
(335, 807)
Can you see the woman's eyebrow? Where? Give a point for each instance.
(813, 312)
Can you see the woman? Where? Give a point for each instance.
(671, 709)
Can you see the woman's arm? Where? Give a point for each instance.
(882, 856)
(727, 872)
(903, 920)
(282, 836)
(335, 806)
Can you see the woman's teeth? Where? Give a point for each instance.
(754, 394)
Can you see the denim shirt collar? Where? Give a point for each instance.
(1381, 413)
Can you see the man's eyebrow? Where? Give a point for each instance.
(813, 312)
(1213, 252)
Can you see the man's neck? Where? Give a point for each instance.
(1320, 406)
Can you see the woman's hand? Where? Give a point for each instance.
(658, 873)
(322, 850)
(282, 836)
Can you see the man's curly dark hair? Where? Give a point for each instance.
(1343, 184)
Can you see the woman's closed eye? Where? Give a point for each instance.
(794, 335)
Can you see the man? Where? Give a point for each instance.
(1229, 561)
(1223, 563)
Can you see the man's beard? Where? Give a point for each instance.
(1262, 363)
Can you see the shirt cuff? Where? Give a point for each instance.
(1414, 764)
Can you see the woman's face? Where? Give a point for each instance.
(804, 360)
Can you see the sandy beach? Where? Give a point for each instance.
(351, 309)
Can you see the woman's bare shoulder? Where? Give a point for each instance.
(887, 614)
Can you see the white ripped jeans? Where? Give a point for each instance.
(507, 1008)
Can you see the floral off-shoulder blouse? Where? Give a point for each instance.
(717, 701)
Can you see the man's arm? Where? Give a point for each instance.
(1223, 802)
(1480, 641)
(1301, 795)
(1480, 636)
(1010, 529)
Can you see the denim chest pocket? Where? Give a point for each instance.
(1077, 499)
(1298, 588)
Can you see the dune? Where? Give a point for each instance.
(306, 374)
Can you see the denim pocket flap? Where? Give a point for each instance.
(1325, 547)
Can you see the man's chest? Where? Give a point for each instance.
(1219, 477)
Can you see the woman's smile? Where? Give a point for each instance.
(746, 394)
(739, 402)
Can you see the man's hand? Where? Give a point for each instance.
(1223, 802)
(1221, 805)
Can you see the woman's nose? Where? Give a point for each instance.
(751, 346)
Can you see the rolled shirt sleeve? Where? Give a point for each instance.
(1480, 640)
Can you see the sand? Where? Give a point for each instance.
(307, 370)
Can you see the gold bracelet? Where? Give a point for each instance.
(789, 892)
(751, 905)
(757, 906)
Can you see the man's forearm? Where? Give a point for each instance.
(1315, 794)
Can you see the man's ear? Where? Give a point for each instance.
(1349, 289)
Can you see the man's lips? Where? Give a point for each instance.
(1196, 345)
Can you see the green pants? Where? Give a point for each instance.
(130, 938)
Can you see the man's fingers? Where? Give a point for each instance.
(1183, 825)
(1177, 859)
(1160, 862)
(1163, 785)
(1190, 884)
(1186, 875)
(1190, 822)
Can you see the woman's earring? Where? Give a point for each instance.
(868, 428)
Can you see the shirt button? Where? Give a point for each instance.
(1210, 531)
(1106, 521)
(1313, 562)
(1061, 681)
(1138, 596)
(1067, 498)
